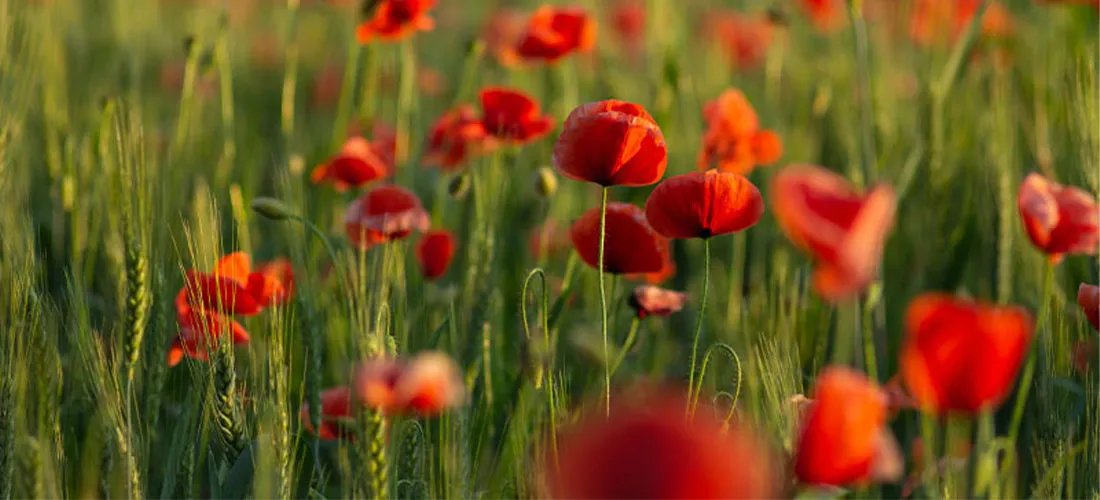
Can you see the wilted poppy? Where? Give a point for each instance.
(356, 165)
(1088, 297)
(435, 252)
(455, 137)
(336, 414)
(744, 39)
(630, 246)
(648, 448)
(233, 288)
(734, 141)
(960, 355)
(844, 438)
(843, 229)
(650, 300)
(396, 19)
(555, 32)
(383, 214)
(512, 115)
(611, 143)
(426, 385)
(1059, 219)
(199, 332)
(703, 204)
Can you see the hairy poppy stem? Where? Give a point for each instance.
(699, 323)
(627, 344)
(603, 305)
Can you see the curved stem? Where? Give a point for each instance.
(603, 305)
(627, 344)
(699, 319)
(545, 311)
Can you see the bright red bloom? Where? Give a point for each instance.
(455, 137)
(611, 143)
(425, 385)
(356, 165)
(630, 246)
(199, 332)
(734, 141)
(648, 448)
(844, 438)
(1059, 219)
(435, 252)
(654, 301)
(395, 20)
(336, 413)
(554, 32)
(744, 39)
(960, 355)
(512, 115)
(383, 214)
(842, 229)
(1088, 297)
(667, 271)
(233, 288)
(703, 204)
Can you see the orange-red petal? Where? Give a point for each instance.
(435, 252)
(611, 143)
(703, 204)
(630, 244)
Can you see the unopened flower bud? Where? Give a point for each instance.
(272, 208)
(546, 182)
(459, 186)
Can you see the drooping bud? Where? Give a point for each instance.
(272, 208)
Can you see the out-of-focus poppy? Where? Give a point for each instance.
(628, 20)
(648, 448)
(744, 39)
(1059, 219)
(548, 239)
(425, 385)
(650, 300)
(555, 32)
(667, 271)
(383, 214)
(355, 166)
(960, 355)
(611, 143)
(395, 20)
(842, 229)
(502, 33)
(630, 244)
(734, 141)
(269, 274)
(826, 15)
(1093, 3)
(1088, 297)
(512, 115)
(455, 137)
(336, 414)
(844, 438)
(326, 85)
(199, 331)
(435, 252)
(1084, 356)
(233, 288)
(703, 204)
(935, 21)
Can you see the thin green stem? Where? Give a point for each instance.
(870, 359)
(290, 73)
(347, 91)
(863, 82)
(603, 304)
(699, 319)
(627, 344)
(406, 101)
(847, 327)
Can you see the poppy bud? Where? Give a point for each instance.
(459, 186)
(272, 208)
(546, 183)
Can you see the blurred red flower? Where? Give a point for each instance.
(703, 204)
(826, 15)
(648, 448)
(1059, 219)
(936, 21)
(668, 267)
(630, 246)
(383, 214)
(1088, 297)
(548, 240)
(628, 19)
(650, 300)
(435, 252)
(395, 20)
(960, 355)
(842, 229)
(734, 141)
(611, 143)
(744, 39)
(502, 33)
(425, 385)
(512, 115)
(455, 137)
(336, 414)
(232, 288)
(199, 332)
(355, 166)
(844, 438)
(555, 32)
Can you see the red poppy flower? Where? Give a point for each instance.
(744, 39)
(199, 332)
(960, 355)
(703, 204)
(935, 21)
(628, 20)
(455, 137)
(327, 83)
(501, 35)
(734, 141)
(654, 301)
(512, 115)
(336, 412)
(630, 245)
(611, 143)
(844, 230)
(395, 20)
(548, 240)
(273, 279)
(233, 288)
(425, 385)
(667, 271)
(827, 15)
(356, 165)
(1059, 219)
(844, 438)
(1088, 297)
(435, 252)
(554, 32)
(648, 448)
(383, 214)
(1084, 356)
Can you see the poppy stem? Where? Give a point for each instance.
(290, 75)
(406, 101)
(863, 82)
(347, 91)
(699, 324)
(603, 305)
(847, 326)
(627, 344)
